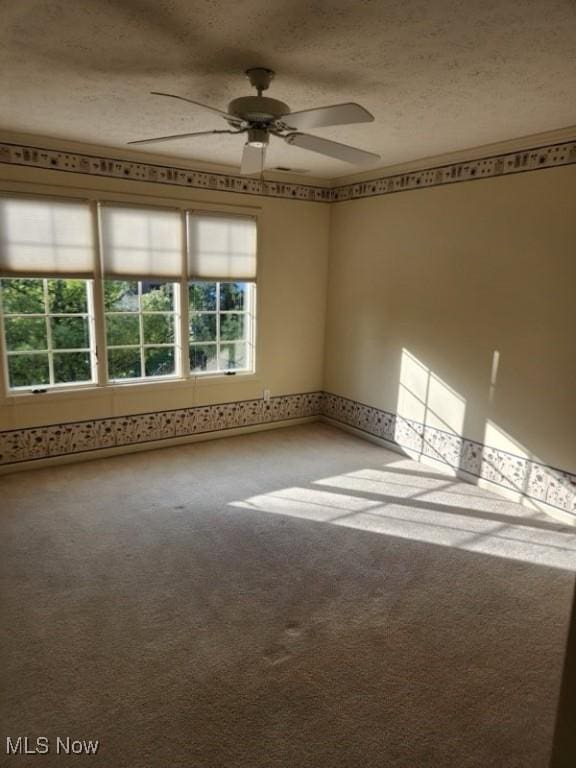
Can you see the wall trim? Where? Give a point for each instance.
(518, 477)
(502, 164)
(28, 445)
(150, 445)
(505, 164)
(115, 168)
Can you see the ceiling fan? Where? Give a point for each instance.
(261, 117)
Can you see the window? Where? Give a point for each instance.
(221, 326)
(141, 329)
(47, 331)
(221, 294)
(110, 293)
(46, 266)
(144, 247)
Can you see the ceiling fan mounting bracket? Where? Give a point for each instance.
(260, 78)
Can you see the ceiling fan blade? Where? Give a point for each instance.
(225, 115)
(337, 114)
(175, 136)
(252, 159)
(331, 148)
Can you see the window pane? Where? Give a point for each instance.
(231, 327)
(25, 333)
(67, 297)
(233, 296)
(233, 356)
(157, 296)
(159, 361)
(72, 366)
(203, 328)
(124, 363)
(158, 329)
(120, 296)
(70, 333)
(21, 297)
(202, 296)
(203, 357)
(122, 330)
(28, 370)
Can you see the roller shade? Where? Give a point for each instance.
(221, 247)
(45, 237)
(141, 242)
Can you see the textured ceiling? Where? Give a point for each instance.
(438, 76)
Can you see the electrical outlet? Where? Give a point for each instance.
(266, 396)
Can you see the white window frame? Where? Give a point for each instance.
(100, 383)
(143, 346)
(50, 349)
(249, 339)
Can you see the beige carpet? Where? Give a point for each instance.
(292, 599)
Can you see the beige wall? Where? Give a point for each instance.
(451, 274)
(293, 257)
(423, 287)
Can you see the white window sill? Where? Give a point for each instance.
(210, 378)
(94, 391)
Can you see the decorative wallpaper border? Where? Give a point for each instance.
(93, 165)
(530, 478)
(471, 170)
(538, 158)
(25, 445)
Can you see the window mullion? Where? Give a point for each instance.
(251, 332)
(141, 330)
(98, 322)
(218, 326)
(5, 383)
(48, 333)
(184, 303)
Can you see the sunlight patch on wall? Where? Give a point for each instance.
(522, 474)
(496, 437)
(504, 461)
(426, 399)
(424, 396)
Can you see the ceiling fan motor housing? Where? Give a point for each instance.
(257, 109)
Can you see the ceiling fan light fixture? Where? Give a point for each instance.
(257, 137)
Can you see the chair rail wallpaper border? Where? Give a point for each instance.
(509, 163)
(526, 476)
(67, 439)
